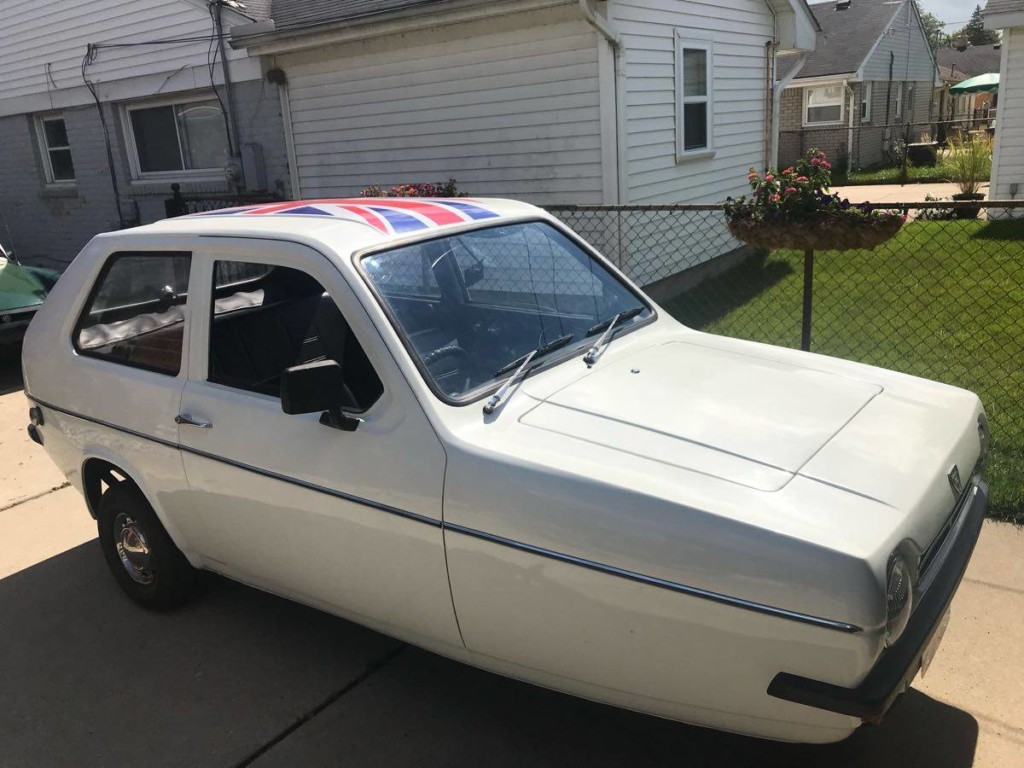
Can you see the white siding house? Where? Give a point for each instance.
(75, 161)
(549, 101)
(510, 106)
(1008, 162)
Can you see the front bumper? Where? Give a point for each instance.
(899, 664)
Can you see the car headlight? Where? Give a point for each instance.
(898, 599)
(983, 437)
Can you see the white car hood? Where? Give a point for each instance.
(742, 418)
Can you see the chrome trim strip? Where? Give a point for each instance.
(248, 467)
(318, 488)
(107, 424)
(640, 578)
(703, 594)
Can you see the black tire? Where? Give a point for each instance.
(154, 573)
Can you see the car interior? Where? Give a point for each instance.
(274, 318)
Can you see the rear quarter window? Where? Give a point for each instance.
(135, 314)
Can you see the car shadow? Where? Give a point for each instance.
(90, 679)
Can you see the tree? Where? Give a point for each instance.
(933, 30)
(976, 32)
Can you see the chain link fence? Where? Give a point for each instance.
(943, 300)
(914, 149)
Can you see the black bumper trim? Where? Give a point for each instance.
(899, 664)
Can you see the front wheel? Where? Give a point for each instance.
(146, 563)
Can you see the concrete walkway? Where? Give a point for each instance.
(239, 677)
(895, 193)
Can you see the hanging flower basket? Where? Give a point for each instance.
(794, 208)
(824, 231)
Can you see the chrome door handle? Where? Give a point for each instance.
(185, 420)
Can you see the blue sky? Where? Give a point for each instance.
(951, 10)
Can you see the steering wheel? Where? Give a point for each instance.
(449, 350)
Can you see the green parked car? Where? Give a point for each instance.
(22, 291)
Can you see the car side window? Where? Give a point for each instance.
(135, 314)
(269, 318)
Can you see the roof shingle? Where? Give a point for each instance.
(847, 37)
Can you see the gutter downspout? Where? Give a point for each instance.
(771, 52)
(615, 42)
(849, 135)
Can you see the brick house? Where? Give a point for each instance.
(103, 105)
(870, 82)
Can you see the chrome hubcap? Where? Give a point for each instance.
(132, 549)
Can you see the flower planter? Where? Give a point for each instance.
(968, 211)
(823, 232)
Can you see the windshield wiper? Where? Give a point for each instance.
(607, 326)
(551, 346)
(520, 364)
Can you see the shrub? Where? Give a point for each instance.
(439, 189)
(970, 162)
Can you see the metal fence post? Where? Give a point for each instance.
(805, 336)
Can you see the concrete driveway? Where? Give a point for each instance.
(239, 677)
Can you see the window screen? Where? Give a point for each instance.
(58, 149)
(136, 312)
(269, 318)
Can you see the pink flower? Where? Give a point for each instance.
(816, 161)
(776, 198)
(791, 190)
(802, 178)
(769, 177)
(826, 165)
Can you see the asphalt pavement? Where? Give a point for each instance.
(239, 677)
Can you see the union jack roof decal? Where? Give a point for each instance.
(388, 215)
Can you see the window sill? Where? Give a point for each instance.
(689, 157)
(836, 124)
(59, 190)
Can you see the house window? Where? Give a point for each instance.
(53, 139)
(823, 104)
(899, 101)
(865, 102)
(694, 78)
(179, 137)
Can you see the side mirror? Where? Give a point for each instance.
(473, 274)
(318, 386)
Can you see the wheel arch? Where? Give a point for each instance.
(99, 469)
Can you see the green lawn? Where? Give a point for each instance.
(943, 300)
(915, 174)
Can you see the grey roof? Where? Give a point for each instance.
(846, 38)
(292, 14)
(1004, 6)
(976, 60)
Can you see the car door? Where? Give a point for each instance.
(349, 521)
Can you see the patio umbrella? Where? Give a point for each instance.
(981, 84)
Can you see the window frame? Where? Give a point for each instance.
(45, 149)
(550, 361)
(867, 92)
(807, 123)
(202, 347)
(108, 263)
(190, 174)
(899, 101)
(683, 44)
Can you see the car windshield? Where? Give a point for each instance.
(471, 305)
